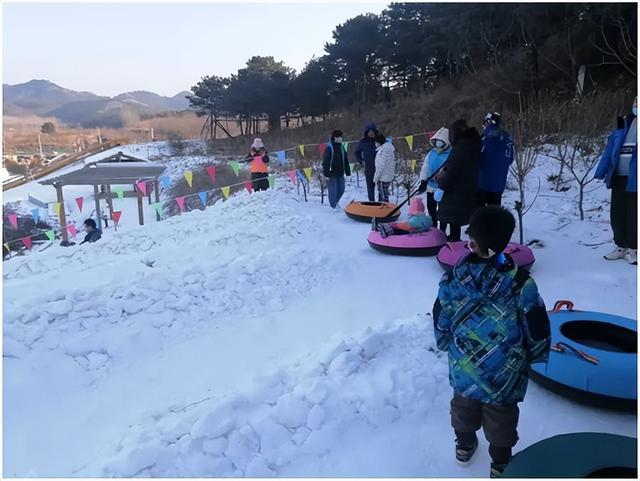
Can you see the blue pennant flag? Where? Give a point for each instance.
(203, 198)
(281, 157)
(166, 183)
(36, 215)
(390, 140)
(301, 176)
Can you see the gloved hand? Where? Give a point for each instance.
(423, 186)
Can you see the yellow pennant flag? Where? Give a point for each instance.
(225, 192)
(188, 175)
(56, 208)
(6, 246)
(413, 165)
(301, 147)
(409, 139)
(308, 171)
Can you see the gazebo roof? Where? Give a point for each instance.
(108, 173)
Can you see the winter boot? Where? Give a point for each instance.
(496, 470)
(615, 254)
(374, 223)
(465, 453)
(385, 230)
(631, 256)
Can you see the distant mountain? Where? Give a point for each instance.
(44, 98)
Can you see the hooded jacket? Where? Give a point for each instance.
(493, 323)
(611, 155)
(497, 156)
(366, 148)
(434, 159)
(335, 162)
(385, 163)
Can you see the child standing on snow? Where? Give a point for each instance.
(493, 323)
(385, 167)
(418, 221)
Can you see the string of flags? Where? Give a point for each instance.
(303, 175)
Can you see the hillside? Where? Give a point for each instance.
(44, 98)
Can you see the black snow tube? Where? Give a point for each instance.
(577, 455)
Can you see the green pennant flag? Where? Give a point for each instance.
(158, 207)
(345, 146)
(235, 165)
(272, 180)
(119, 191)
(51, 234)
(352, 166)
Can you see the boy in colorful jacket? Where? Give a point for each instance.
(493, 323)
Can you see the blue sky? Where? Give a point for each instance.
(162, 47)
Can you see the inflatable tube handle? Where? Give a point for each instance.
(561, 346)
(560, 304)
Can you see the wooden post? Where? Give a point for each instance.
(109, 201)
(63, 215)
(157, 189)
(96, 194)
(140, 206)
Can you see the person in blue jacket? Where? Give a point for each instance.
(497, 156)
(366, 154)
(433, 162)
(618, 168)
(335, 165)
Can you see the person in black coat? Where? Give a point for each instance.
(335, 165)
(366, 154)
(93, 233)
(459, 178)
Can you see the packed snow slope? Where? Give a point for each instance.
(262, 336)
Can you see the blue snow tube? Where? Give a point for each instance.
(593, 357)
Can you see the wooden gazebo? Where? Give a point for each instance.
(118, 169)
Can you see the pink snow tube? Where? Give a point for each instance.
(452, 252)
(421, 244)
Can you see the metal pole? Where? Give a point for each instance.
(157, 189)
(63, 215)
(96, 194)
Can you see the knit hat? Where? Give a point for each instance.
(492, 118)
(491, 228)
(257, 144)
(416, 206)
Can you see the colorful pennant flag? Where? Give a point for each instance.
(116, 216)
(119, 192)
(6, 246)
(409, 139)
(142, 187)
(301, 147)
(165, 181)
(27, 242)
(13, 220)
(72, 230)
(36, 215)
(225, 192)
(56, 208)
(158, 207)
(249, 186)
(188, 175)
(390, 140)
(51, 235)
(308, 171)
(203, 198)
(80, 202)
(321, 148)
(211, 170)
(300, 176)
(413, 165)
(272, 180)
(180, 201)
(345, 146)
(235, 165)
(292, 176)
(352, 166)
(281, 157)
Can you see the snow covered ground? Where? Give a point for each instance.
(262, 336)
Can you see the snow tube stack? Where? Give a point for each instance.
(593, 358)
(577, 455)
(421, 244)
(452, 252)
(365, 211)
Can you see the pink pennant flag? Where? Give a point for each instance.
(292, 175)
(180, 201)
(249, 186)
(80, 202)
(72, 230)
(212, 173)
(13, 219)
(116, 216)
(27, 242)
(142, 186)
(322, 148)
